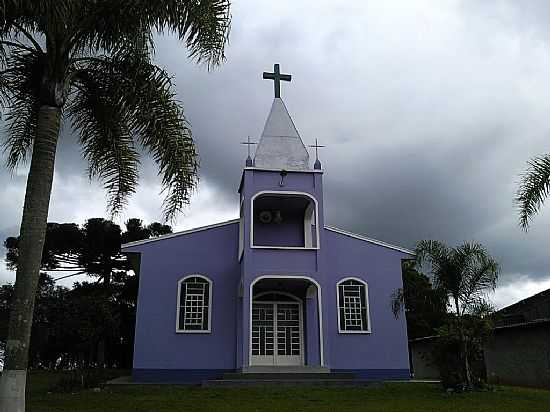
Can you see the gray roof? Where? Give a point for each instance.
(280, 146)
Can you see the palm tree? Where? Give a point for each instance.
(87, 63)
(534, 189)
(464, 273)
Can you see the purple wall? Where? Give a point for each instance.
(386, 346)
(288, 233)
(313, 355)
(212, 253)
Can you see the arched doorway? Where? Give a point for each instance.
(285, 322)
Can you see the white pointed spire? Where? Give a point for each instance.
(280, 146)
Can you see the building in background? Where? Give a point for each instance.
(519, 352)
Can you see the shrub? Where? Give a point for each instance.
(448, 353)
(78, 379)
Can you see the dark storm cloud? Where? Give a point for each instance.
(429, 111)
(427, 125)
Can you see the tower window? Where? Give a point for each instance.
(285, 220)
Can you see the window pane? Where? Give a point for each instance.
(181, 321)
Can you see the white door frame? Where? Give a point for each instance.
(296, 301)
(319, 310)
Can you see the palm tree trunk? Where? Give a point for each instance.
(463, 346)
(31, 243)
(466, 363)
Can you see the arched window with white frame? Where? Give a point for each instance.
(352, 299)
(194, 311)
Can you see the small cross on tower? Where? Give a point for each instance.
(317, 164)
(276, 76)
(248, 143)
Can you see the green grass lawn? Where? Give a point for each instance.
(395, 397)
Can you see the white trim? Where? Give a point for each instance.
(308, 222)
(183, 232)
(370, 240)
(319, 309)
(242, 225)
(360, 332)
(209, 330)
(289, 193)
(262, 169)
(285, 247)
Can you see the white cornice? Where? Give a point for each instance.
(183, 232)
(370, 240)
(265, 169)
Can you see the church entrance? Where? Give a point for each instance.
(277, 330)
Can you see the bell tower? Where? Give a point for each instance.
(281, 194)
(281, 230)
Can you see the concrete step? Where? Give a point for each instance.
(286, 369)
(232, 383)
(288, 376)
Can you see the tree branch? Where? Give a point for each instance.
(18, 45)
(28, 36)
(68, 276)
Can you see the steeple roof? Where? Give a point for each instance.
(280, 146)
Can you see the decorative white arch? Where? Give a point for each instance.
(180, 282)
(289, 193)
(319, 309)
(366, 285)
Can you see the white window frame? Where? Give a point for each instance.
(369, 324)
(287, 193)
(180, 282)
(241, 229)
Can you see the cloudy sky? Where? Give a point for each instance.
(429, 110)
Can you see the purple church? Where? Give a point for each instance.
(274, 290)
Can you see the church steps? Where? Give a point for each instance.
(300, 377)
(284, 369)
(288, 376)
(290, 382)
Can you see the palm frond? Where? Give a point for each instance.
(19, 89)
(431, 252)
(163, 130)
(202, 25)
(22, 122)
(464, 273)
(31, 15)
(534, 189)
(439, 258)
(118, 99)
(480, 271)
(104, 134)
(150, 114)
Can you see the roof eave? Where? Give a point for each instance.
(176, 234)
(371, 240)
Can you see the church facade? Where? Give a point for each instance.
(276, 288)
